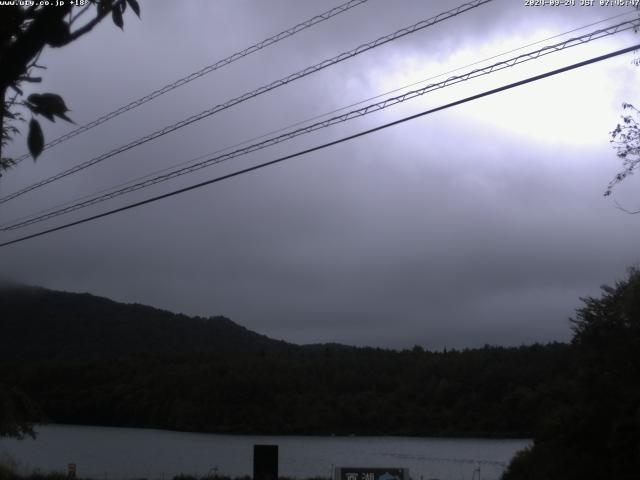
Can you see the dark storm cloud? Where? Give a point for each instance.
(446, 231)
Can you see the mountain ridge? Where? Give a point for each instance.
(91, 361)
(39, 323)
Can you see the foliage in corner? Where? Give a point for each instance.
(18, 413)
(24, 32)
(597, 436)
(626, 141)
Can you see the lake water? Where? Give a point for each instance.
(125, 453)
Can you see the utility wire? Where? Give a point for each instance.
(331, 121)
(339, 119)
(204, 71)
(301, 122)
(329, 144)
(266, 88)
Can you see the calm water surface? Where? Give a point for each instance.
(126, 453)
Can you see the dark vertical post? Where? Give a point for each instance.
(265, 462)
(71, 471)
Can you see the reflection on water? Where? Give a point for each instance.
(126, 453)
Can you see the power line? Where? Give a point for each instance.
(142, 177)
(623, 26)
(58, 207)
(332, 121)
(204, 71)
(329, 144)
(266, 88)
(315, 117)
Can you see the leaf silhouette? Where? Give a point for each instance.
(134, 6)
(49, 105)
(116, 15)
(35, 139)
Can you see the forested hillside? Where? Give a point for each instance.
(90, 360)
(40, 324)
(486, 392)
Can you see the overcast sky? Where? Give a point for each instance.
(483, 223)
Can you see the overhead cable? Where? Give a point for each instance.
(328, 144)
(202, 72)
(266, 88)
(307, 120)
(374, 107)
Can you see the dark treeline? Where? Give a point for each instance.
(89, 360)
(499, 392)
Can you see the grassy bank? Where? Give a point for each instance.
(8, 472)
